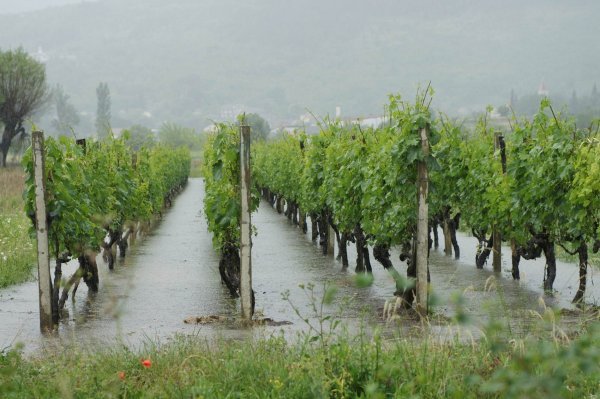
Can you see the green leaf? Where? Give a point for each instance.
(329, 295)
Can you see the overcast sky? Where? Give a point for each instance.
(18, 6)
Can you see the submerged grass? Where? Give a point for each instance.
(17, 253)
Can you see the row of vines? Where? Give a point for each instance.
(536, 185)
(221, 170)
(99, 196)
(330, 178)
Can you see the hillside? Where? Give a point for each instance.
(188, 61)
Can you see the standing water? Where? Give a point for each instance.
(172, 274)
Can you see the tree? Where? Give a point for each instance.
(260, 128)
(176, 135)
(23, 90)
(66, 114)
(503, 110)
(140, 136)
(103, 111)
(513, 98)
(574, 103)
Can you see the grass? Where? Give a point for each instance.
(359, 366)
(17, 252)
(12, 183)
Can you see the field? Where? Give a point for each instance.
(17, 252)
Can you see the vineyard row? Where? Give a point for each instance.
(99, 195)
(535, 186)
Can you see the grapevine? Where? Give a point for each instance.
(98, 195)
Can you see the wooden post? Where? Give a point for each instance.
(422, 228)
(302, 221)
(245, 229)
(447, 237)
(497, 249)
(497, 237)
(44, 278)
(330, 240)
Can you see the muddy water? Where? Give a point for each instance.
(173, 274)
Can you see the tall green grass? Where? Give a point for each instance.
(17, 252)
(351, 366)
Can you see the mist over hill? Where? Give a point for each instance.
(190, 61)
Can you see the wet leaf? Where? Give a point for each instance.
(329, 295)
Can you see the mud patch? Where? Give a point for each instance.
(218, 319)
(271, 323)
(212, 319)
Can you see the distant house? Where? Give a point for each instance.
(368, 121)
(212, 128)
(117, 131)
(295, 129)
(304, 125)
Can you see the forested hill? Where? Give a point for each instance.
(189, 60)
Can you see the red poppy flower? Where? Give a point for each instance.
(121, 375)
(147, 363)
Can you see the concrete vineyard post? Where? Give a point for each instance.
(422, 227)
(43, 254)
(245, 226)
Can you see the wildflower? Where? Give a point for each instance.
(121, 375)
(147, 363)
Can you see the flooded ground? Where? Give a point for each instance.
(172, 274)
